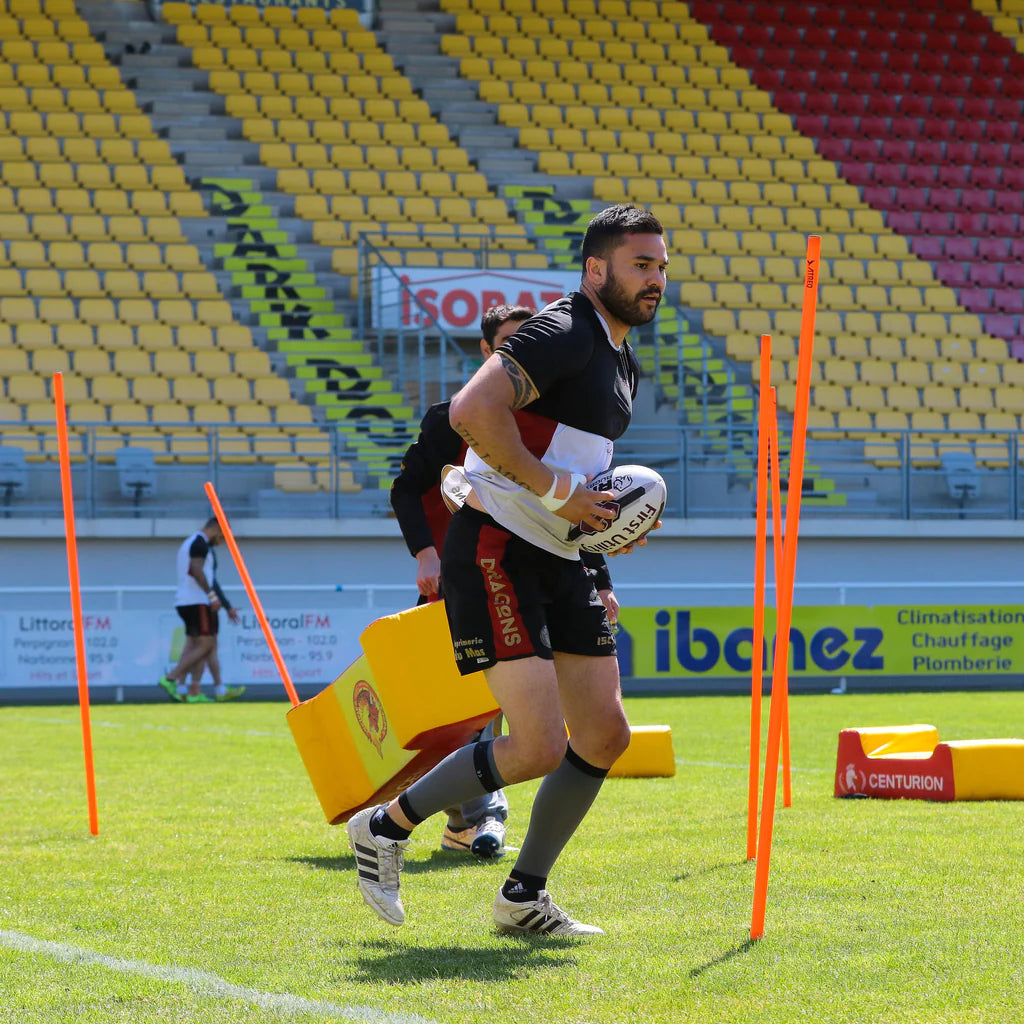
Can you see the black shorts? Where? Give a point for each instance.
(508, 599)
(199, 619)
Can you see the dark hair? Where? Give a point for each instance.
(212, 521)
(610, 225)
(494, 317)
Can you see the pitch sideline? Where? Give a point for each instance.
(206, 984)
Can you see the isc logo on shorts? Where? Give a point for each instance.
(501, 603)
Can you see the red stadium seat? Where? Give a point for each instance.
(1010, 301)
(961, 223)
(912, 105)
(845, 128)
(936, 222)
(918, 81)
(820, 103)
(976, 300)
(977, 107)
(833, 149)
(847, 39)
(1013, 276)
(910, 198)
(799, 80)
(754, 35)
(874, 127)
(1005, 224)
(927, 248)
(889, 174)
(959, 152)
(922, 175)
(881, 198)
(975, 198)
(817, 36)
(898, 150)
(984, 275)
(947, 21)
(935, 128)
(904, 222)
(1013, 166)
(858, 174)
(982, 176)
(997, 249)
(952, 274)
(857, 17)
(943, 198)
(952, 175)
(883, 105)
(878, 41)
(813, 126)
(866, 82)
(873, 60)
(928, 152)
(866, 150)
(788, 36)
(854, 105)
(1001, 325)
(960, 248)
(902, 62)
(893, 83)
(1009, 201)
(769, 79)
(996, 131)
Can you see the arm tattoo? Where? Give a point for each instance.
(522, 388)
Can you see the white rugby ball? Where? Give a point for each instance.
(640, 496)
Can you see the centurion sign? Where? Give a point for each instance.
(454, 300)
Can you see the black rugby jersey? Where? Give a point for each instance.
(586, 388)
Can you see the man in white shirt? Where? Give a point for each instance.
(197, 600)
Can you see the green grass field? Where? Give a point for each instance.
(215, 892)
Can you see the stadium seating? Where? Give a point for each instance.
(357, 149)
(97, 279)
(667, 111)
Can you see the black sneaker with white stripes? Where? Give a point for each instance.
(379, 863)
(538, 917)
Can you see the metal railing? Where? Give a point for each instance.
(709, 472)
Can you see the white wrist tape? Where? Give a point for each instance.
(553, 504)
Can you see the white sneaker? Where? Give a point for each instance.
(460, 839)
(379, 863)
(538, 916)
(489, 841)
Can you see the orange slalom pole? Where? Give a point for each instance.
(787, 787)
(75, 586)
(757, 643)
(236, 554)
(784, 593)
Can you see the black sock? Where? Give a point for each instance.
(521, 887)
(383, 827)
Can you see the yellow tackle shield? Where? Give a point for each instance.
(394, 713)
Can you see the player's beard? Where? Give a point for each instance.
(626, 308)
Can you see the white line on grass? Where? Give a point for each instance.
(206, 984)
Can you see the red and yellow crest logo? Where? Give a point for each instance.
(369, 714)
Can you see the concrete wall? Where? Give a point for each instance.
(688, 563)
(700, 554)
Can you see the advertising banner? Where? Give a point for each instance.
(458, 298)
(842, 641)
(132, 648)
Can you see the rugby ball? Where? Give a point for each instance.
(640, 496)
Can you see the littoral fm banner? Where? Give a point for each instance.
(125, 648)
